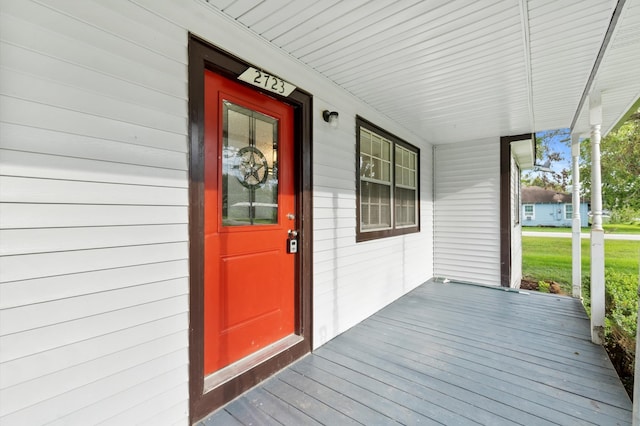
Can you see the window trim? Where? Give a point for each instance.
(394, 230)
(533, 211)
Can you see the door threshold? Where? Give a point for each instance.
(231, 371)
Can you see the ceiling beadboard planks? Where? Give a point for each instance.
(564, 45)
(450, 70)
(617, 79)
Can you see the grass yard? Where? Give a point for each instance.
(545, 258)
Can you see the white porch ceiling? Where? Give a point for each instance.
(461, 70)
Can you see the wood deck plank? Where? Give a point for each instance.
(541, 367)
(388, 400)
(448, 354)
(482, 384)
(524, 387)
(281, 411)
(309, 405)
(434, 387)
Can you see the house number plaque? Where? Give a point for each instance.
(267, 81)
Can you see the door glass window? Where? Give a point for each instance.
(249, 167)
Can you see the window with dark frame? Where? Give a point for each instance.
(387, 183)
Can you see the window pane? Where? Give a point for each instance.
(375, 207)
(249, 167)
(374, 156)
(405, 207)
(405, 167)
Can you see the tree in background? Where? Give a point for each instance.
(546, 154)
(620, 163)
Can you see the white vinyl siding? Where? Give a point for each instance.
(467, 212)
(94, 203)
(94, 286)
(351, 281)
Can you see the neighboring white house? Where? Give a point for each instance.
(181, 214)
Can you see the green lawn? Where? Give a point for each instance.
(609, 228)
(545, 258)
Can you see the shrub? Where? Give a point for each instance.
(622, 301)
(543, 287)
(625, 215)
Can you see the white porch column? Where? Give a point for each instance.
(597, 233)
(576, 250)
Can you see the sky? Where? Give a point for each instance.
(561, 147)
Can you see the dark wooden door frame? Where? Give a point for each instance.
(204, 56)
(505, 205)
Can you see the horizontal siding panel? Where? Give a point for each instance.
(70, 23)
(466, 198)
(74, 50)
(156, 408)
(50, 410)
(334, 223)
(75, 75)
(33, 190)
(472, 244)
(469, 274)
(23, 164)
(470, 213)
(336, 183)
(334, 171)
(471, 231)
(31, 241)
(34, 316)
(58, 335)
(338, 202)
(177, 414)
(333, 243)
(466, 212)
(333, 213)
(480, 255)
(22, 112)
(130, 22)
(44, 91)
(34, 215)
(40, 290)
(29, 393)
(29, 266)
(47, 362)
(341, 157)
(41, 141)
(328, 234)
(375, 255)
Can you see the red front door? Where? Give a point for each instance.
(249, 208)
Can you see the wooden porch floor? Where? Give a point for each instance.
(451, 354)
